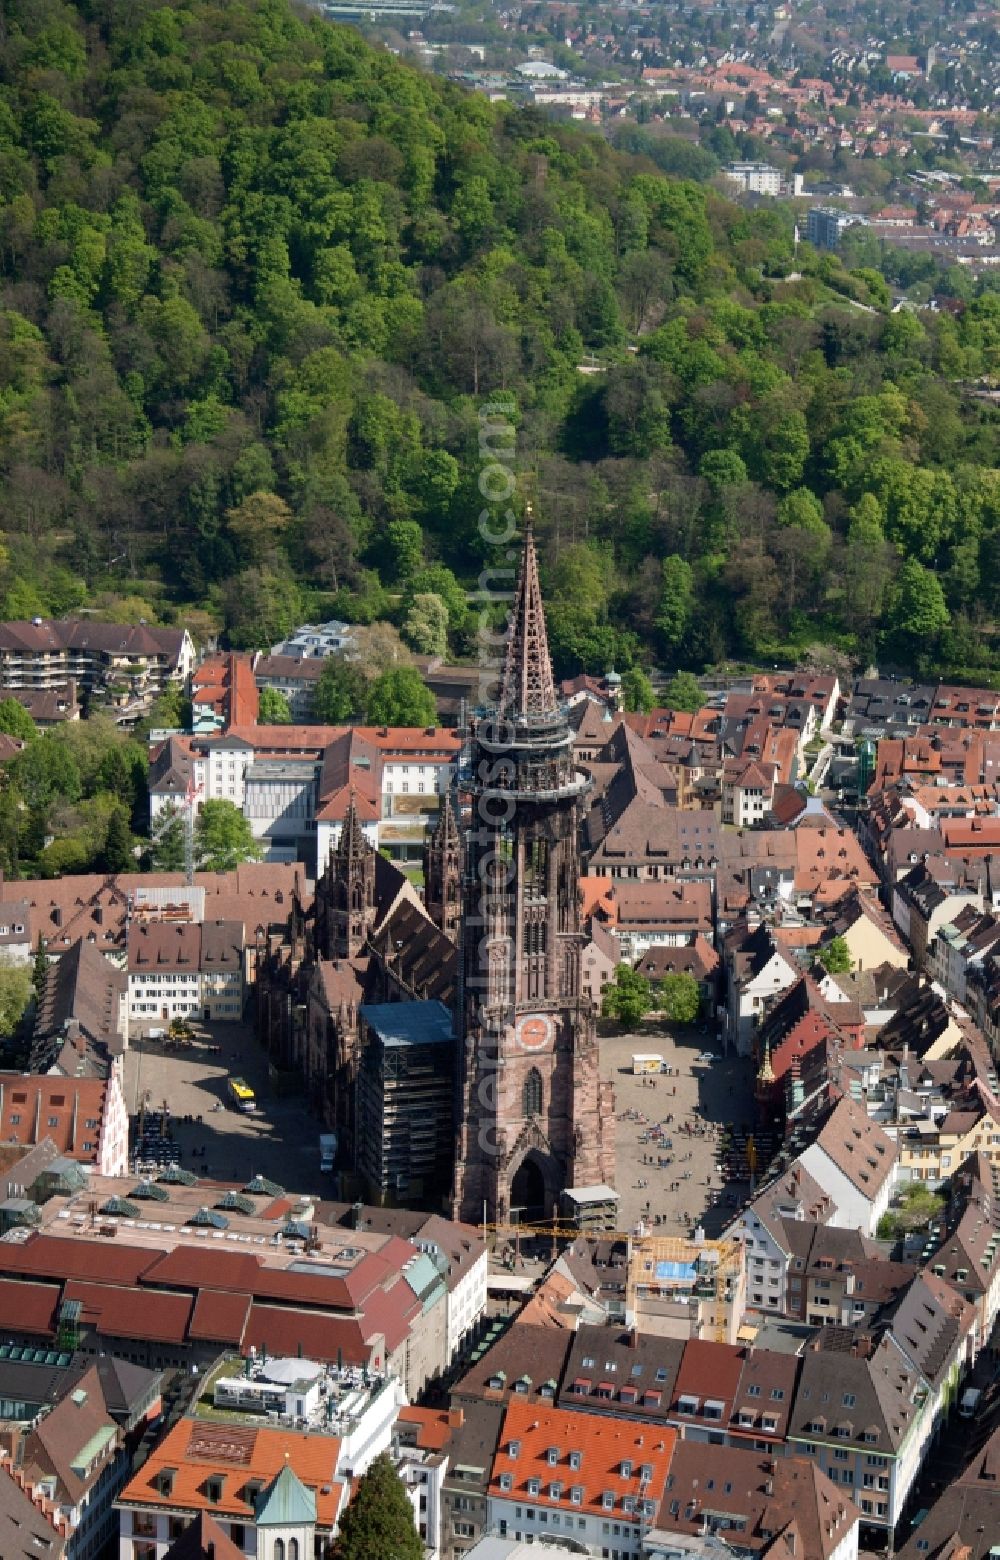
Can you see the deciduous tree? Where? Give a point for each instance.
(678, 997)
(16, 722)
(835, 957)
(628, 997)
(273, 708)
(684, 692)
(400, 697)
(223, 838)
(340, 692)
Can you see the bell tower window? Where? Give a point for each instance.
(533, 1093)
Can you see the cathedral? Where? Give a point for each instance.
(496, 938)
(534, 1117)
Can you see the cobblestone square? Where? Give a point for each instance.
(706, 1095)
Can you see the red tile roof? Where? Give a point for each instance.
(390, 1313)
(122, 1312)
(26, 1307)
(221, 1318)
(709, 1370)
(604, 1443)
(432, 1426)
(236, 1456)
(283, 1331)
(188, 1267)
(48, 1106)
(101, 1261)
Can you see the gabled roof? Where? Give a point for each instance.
(33, 1108)
(242, 1459)
(84, 990)
(286, 1502)
(73, 1441)
(792, 1196)
(203, 1539)
(931, 1322)
(26, 1531)
(858, 1147)
(787, 1496)
(606, 1444)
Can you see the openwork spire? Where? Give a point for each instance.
(766, 1072)
(527, 689)
(446, 832)
(352, 842)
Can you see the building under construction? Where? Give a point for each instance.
(680, 1288)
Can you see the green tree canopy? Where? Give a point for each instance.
(637, 691)
(274, 708)
(684, 692)
(835, 957)
(340, 693)
(223, 839)
(379, 1521)
(45, 772)
(15, 994)
(400, 697)
(119, 846)
(169, 848)
(425, 627)
(678, 997)
(16, 722)
(628, 997)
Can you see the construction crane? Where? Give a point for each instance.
(719, 1265)
(555, 1230)
(191, 792)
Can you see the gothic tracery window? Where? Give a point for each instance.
(533, 1093)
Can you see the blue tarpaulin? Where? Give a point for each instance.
(679, 1271)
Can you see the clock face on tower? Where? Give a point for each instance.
(535, 1031)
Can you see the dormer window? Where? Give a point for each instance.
(514, 1450)
(626, 1468)
(576, 1494)
(533, 1487)
(555, 1490)
(506, 1481)
(552, 1456)
(608, 1500)
(575, 1459)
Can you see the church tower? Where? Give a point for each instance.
(345, 897)
(534, 1116)
(443, 872)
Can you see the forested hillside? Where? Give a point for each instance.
(258, 278)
